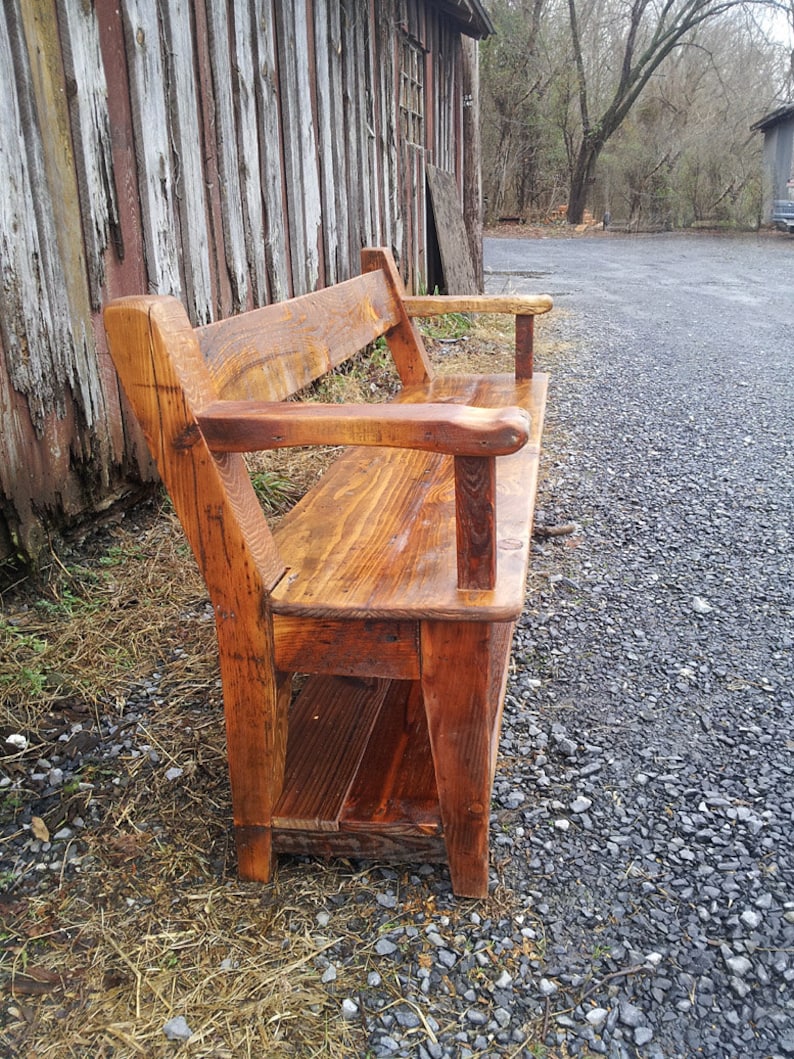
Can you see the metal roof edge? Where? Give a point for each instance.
(774, 116)
(471, 16)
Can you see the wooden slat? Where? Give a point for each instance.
(271, 154)
(90, 129)
(270, 353)
(153, 145)
(299, 145)
(228, 156)
(190, 175)
(384, 844)
(329, 726)
(347, 648)
(327, 139)
(376, 537)
(459, 277)
(41, 356)
(395, 788)
(243, 45)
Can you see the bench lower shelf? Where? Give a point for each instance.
(359, 778)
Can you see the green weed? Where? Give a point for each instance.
(274, 492)
(449, 326)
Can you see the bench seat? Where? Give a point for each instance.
(376, 537)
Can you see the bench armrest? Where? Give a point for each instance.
(525, 307)
(459, 430)
(514, 304)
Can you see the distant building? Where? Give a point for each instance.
(778, 130)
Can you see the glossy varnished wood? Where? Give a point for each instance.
(394, 583)
(349, 648)
(463, 669)
(271, 353)
(376, 537)
(163, 374)
(249, 426)
(441, 304)
(330, 726)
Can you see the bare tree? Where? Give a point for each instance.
(651, 31)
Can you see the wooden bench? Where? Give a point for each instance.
(394, 583)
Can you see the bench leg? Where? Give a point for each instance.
(256, 701)
(462, 685)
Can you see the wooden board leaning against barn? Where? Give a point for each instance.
(459, 276)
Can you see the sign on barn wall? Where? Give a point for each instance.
(229, 154)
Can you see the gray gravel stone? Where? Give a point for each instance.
(177, 1029)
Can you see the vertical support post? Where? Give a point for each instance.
(525, 340)
(475, 521)
(457, 686)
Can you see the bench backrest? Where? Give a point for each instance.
(271, 353)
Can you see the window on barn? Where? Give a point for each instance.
(412, 92)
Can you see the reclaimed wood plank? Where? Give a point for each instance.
(34, 310)
(370, 177)
(515, 304)
(271, 154)
(253, 220)
(475, 521)
(153, 145)
(270, 353)
(327, 140)
(458, 662)
(395, 789)
(405, 342)
(347, 648)
(453, 242)
(303, 185)
(160, 365)
(90, 128)
(468, 434)
(346, 255)
(525, 346)
(225, 129)
(126, 268)
(386, 94)
(329, 726)
(219, 269)
(384, 844)
(189, 177)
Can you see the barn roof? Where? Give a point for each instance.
(470, 15)
(785, 113)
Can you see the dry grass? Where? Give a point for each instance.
(155, 923)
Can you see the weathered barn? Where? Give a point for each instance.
(778, 130)
(231, 153)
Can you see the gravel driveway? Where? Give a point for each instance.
(647, 790)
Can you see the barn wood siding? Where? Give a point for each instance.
(230, 154)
